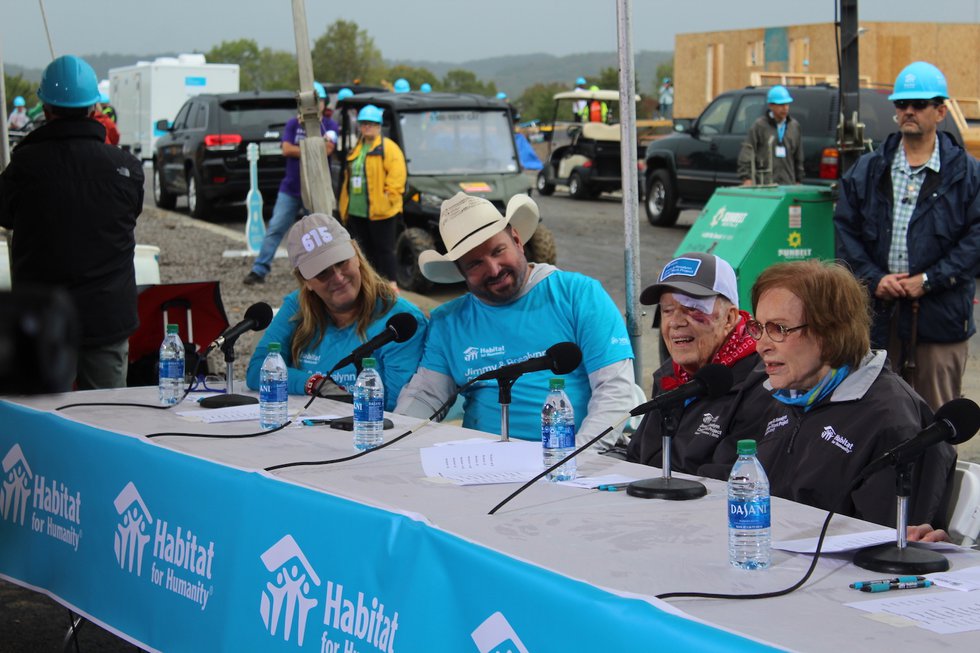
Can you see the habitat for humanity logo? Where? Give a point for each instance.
(181, 563)
(56, 511)
(290, 596)
(495, 635)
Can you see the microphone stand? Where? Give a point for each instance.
(667, 487)
(230, 398)
(903, 559)
(503, 398)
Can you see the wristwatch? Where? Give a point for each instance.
(925, 283)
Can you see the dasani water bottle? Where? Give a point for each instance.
(748, 510)
(171, 386)
(369, 407)
(273, 392)
(558, 431)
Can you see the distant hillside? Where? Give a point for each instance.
(511, 74)
(515, 73)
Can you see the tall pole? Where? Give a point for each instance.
(315, 170)
(628, 155)
(852, 131)
(4, 134)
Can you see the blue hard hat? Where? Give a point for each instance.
(920, 81)
(778, 95)
(321, 93)
(69, 81)
(426, 87)
(581, 81)
(665, 80)
(370, 113)
(103, 98)
(344, 93)
(19, 101)
(402, 85)
(501, 95)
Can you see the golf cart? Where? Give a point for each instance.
(585, 156)
(452, 142)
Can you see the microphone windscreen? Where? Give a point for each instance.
(963, 415)
(404, 326)
(717, 379)
(260, 313)
(565, 357)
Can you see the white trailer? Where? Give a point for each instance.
(151, 91)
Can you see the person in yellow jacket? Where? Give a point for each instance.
(372, 191)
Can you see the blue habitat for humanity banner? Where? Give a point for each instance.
(181, 554)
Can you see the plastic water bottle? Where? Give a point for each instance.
(273, 392)
(369, 407)
(558, 431)
(171, 387)
(748, 511)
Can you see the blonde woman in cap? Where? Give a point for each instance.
(341, 303)
(701, 324)
(514, 310)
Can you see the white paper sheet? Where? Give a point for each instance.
(964, 580)
(838, 543)
(218, 415)
(483, 463)
(592, 482)
(940, 612)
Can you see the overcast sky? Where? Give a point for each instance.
(434, 30)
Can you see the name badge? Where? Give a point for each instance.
(355, 183)
(781, 151)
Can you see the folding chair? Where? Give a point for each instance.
(964, 510)
(197, 310)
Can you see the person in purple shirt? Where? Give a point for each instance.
(289, 201)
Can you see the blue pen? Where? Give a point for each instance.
(885, 587)
(901, 579)
(612, 487)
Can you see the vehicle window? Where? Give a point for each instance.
(458, 142)
(182, 116)
(816, 111)
(198, 116)
(713, 119)
(270, 113)
(750, 108)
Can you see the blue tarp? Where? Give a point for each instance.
(529, 159)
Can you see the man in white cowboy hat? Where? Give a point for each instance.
(515, 310)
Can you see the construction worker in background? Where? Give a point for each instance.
(578, 106)
(18, 117)
(102, 117)
(772, 152)
(595, 110)
(666, 99)
(402, 85)
(426, 87)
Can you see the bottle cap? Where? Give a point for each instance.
(556, 384)
(369, 362)
(274, 347)
(746, 447)
(172, 328)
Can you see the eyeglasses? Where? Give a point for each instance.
(918, 105)
(777, 332)
(209, 383)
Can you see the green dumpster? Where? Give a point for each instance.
(754, 227)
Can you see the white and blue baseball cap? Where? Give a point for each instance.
(695, 274)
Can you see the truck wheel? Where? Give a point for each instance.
(409, 246)
(544, 186)
(197, 205)
(161, 196)
(661, 199)
(540, 248)
(577, 188)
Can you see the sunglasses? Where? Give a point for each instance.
(918, 105)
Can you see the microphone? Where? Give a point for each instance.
(257, 317)
(561, 358)
(399, 328)
(711, 380)
(956, 422)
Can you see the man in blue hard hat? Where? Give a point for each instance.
(665, 98)
(18, 117)
(289, 201)
(908, 224)
(72, 202)
(772, 152)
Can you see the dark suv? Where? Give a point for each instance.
(685, 168)
(203, 153)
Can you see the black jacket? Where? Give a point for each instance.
(72, 202)
(703, 423)
(811, 457)
(943, 239)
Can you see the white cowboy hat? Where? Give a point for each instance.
(466, 222)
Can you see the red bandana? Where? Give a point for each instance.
(737, 346)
